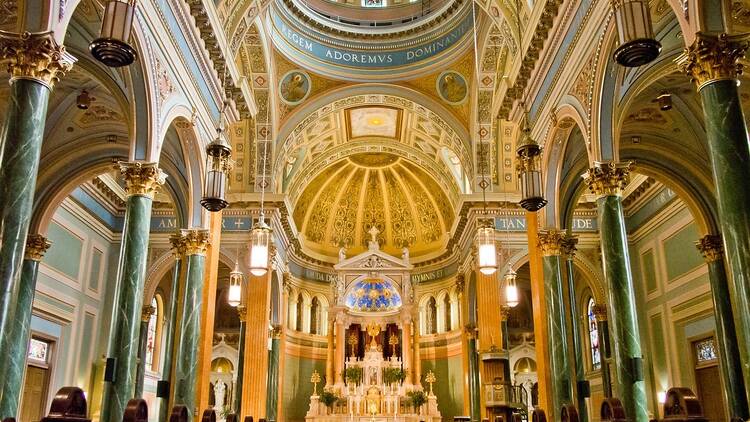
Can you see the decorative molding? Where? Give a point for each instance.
(713, 58)
(34, 56)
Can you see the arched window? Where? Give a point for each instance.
(447, 307)
(151, 335)
(300, 312)
(596, 358)
(315, 316)
(431, 325)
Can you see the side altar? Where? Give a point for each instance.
(373, 371)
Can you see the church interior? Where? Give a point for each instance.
(374, 210)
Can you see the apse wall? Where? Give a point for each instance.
(442, 355)
(303, 354)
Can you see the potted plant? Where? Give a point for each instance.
(328, 399)
(418, 399)
(353, 375)
(393, 375)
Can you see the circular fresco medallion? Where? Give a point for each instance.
(294, 87)
(452, 87)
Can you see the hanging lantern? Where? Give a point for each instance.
(234, 298)
(112, 47)
(83, 100)
(529, 166)
(218, 166)
(260, 238)
(665, 101)
(511, 290)
(635, 33)
(487, 253)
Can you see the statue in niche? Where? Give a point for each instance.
(219, 391)
(405, 255)
(342, 254)
(338, 290)
(373, 244)
(408, 292)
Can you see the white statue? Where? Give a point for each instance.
(338, 290)
(373, 244)
(405, 255)
(342, 254)
(219, 390)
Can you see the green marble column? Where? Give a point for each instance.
(272, 389)
(607, 181)
(36, 246)
(186, 358)
(505, 343)
(237, 402)
(602, 327)
(475, 403)
(569, 250)
(170, 327)
(35, 62)
(712, 63)
(141, 180)
(729, 354)
(140, 372)
(550, 242)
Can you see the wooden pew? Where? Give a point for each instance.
(568, 413)
(179, 414)
(682, 405)
(612, 410)
(538, 415)
(69, 405)
(209, 415)
(135, 411)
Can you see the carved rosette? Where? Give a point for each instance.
(600, 312)
(551, 241)
(142, 179)
(715, 57)
(196, 241)
(34, 56)
(569, 245)
(36, 246)
(710, 247)
(178, 245)
(146, 313)
(608, 179)
(242, 313)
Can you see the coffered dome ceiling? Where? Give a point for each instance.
(346, 199)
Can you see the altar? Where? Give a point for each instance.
(373, 372)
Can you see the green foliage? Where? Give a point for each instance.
(417, 397)
(393, 375)
(354, 374)
(328, 398)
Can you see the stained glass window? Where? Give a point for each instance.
(373, 3)
(431, 326)
(447, 307)
(315, 316)
(38, 350)
(300, 309)
(151, 338)
(705, 350)
(596, 358)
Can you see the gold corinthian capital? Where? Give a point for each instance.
(715, 57)
(36, 246)
(608, 179)
(142, 179)
(35, 56)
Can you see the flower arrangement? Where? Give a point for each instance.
(353, 374)
(393, 375)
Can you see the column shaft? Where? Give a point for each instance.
(186, 369)
(255, 379)
(171, 328)
(237, 402)
(140, 374)
(417, 360)
(602, 327)
(123, 337)
(713, 63)
(623, 318)
(273, 377)
(405, 342)
(575, 321)
(729, 354)
(36, 245)
(550, 243)
(330, 356)
(475, 393)
(340, 350)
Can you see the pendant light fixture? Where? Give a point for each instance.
(487, 252)
(635, 33)
(234, 297)
(511, 290)
(260, 236)
(218, 167)
(113, 45)
(528, 153)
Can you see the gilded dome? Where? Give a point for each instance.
(340, 205)
(373, 295)
(525, 365)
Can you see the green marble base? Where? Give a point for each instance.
(272, 390)
(625, 336)
(21, 144)
(126, 319)
(140, 372)
(729, 149)
(237, 403)
(186, 369)
(559, 368)
(11, 384)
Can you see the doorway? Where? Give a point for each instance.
(708, 379)
(36, 380)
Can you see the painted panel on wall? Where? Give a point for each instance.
(297, 386)
(95, 273)
(65, 253)
(649, 270)
(659, 355)
(84, 360)
(681, 254)
(449, 385)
